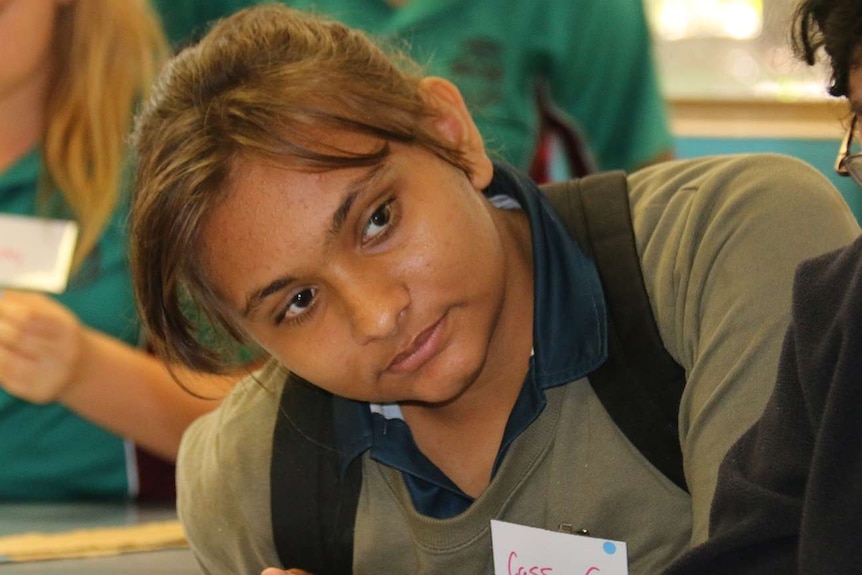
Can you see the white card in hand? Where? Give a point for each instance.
(520, 550)
(36, 253)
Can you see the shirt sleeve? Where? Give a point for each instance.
(226, 518)
(800, 453)
(719, 240)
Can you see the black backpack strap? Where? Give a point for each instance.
(313, 507)
(640, 385)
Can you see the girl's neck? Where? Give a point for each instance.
(22, 117)
(463, 437)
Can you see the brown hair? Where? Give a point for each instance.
(106, 55)
(268, 84)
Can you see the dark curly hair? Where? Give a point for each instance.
(835, 26)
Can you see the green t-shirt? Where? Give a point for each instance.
(47, 451)
(594, 55)
(186, 20)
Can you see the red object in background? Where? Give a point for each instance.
(156, 477)
(557, 134)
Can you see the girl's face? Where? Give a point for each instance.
(26, 34)
(379, 284)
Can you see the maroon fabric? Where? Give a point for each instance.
(554, 125)
(156, 477)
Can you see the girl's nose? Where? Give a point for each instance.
(375, 305)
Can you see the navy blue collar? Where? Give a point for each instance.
(570, 319)
(569, 337)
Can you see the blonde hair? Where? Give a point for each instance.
(269, 83)
(106, 54)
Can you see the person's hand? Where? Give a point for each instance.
(41, 344)
(276, 571)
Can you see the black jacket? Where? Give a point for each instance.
(789, 495)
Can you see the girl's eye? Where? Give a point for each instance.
(379, 222)
(299, 304)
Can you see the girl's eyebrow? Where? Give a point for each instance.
(257, 296)
(354, 188)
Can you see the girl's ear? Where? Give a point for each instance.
(454, 124)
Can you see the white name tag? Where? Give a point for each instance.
(520, 550)
(36, 253)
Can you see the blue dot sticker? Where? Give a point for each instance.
(609, 547)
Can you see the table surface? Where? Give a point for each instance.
(16, 518)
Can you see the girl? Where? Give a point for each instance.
(70, 371)
(431, 324)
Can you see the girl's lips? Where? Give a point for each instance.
(423, 347)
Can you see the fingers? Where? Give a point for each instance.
(32, 330)
(16, 371)
(40, 345)
(20, 368)
(37, 313)
(15, 321)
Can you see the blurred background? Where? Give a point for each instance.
(733, 85)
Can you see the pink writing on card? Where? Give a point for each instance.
(36, 253)
(515, 569)
(11, 257)
(520, 550)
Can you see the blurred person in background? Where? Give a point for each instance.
(77, 394)
(557, 87)
(789, 493)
